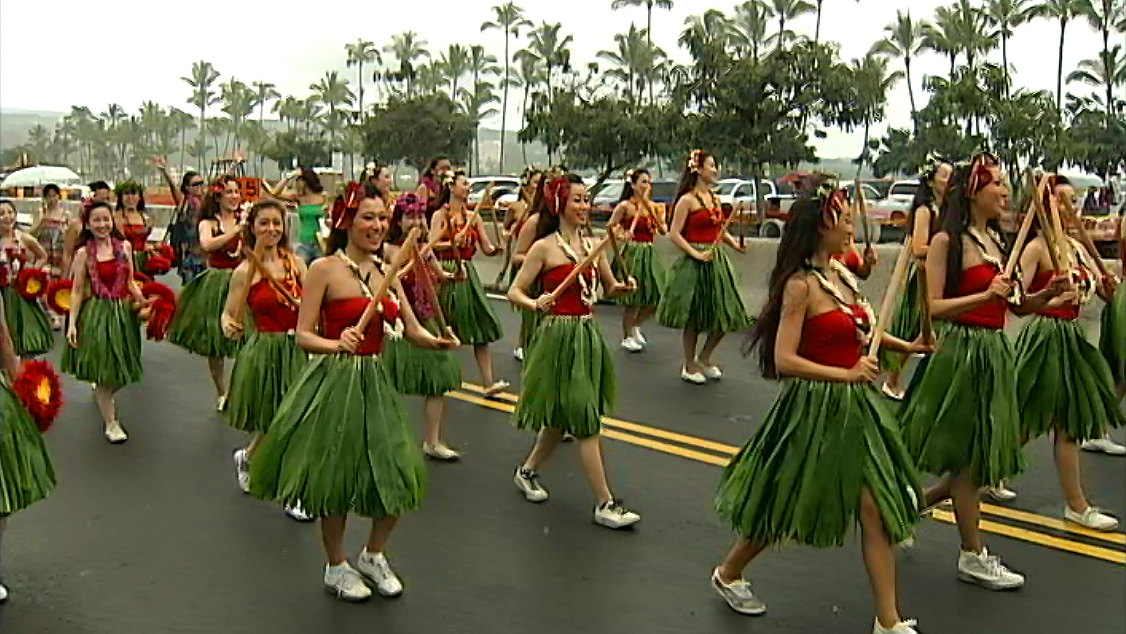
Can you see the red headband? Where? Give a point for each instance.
(345, 207)
(558, 190)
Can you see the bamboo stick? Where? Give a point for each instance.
(389, 276)
(1025, 227)
(887, 308)
(574, 274)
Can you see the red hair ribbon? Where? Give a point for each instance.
(557, 192)
(835, 204)
(980, 176)
(345, 207)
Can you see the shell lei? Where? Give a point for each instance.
(979, 240)
(584, 284)
(863, 320)
(394, 331)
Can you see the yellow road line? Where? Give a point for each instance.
(1041, 539)
(504, 403)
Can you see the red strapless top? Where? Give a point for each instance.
(975, 280)
(571, 301)
(271, 312)
(338, 314)
(107, 271)
(464, 253)
(643, 231)
(138, 236)
(832, 339)
(702, 225)
(1040, 282)
(851, 260)
(222, 259)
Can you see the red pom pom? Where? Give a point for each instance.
(141, 278)
(58, 296)
(161, 311)
(37, 387)
(166, 251)
(158, 265)
(32, 283)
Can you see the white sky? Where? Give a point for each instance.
(55, 53)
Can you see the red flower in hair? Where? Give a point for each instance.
(980, 176)
(37, 387)
(557, 192)
(345, 207)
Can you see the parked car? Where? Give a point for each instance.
(505, 189)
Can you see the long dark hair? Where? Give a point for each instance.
(549, 222)
(130, 187)
(924, 197)
(210, 209)
(86, 235)
(311, 180)
(957, 215)
(186, 181)
(447, 191)
(529, 174)
(631, 179)
(248, 237)
(370, 188)
(691, 174)
(434, 165)
(799, 244)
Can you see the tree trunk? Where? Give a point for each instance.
(1059, 66)
(1005, 61)
(649, 41)
(911, 93)
(504, 101)
(817, 30)
(760, 199)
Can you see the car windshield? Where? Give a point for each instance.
(664, 190)
(610, 190)
(726, 189)
(903, 189)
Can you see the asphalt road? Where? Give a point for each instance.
(154, 536)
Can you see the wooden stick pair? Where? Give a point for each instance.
(887, 308)
(587, 262)
(389, 277)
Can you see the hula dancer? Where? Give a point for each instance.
(813, 334)
(458, 233)
(923, 221)
(50, 230)
(197, 326)
(269, 360)
(1112, 343)
(132, 222)
(310, 201)
(104, 332)
(100, 192)
(1064, 384)
(569, 375)
(415, 371)
(700, 294)
(27, 318)
(525, 235)
(341, 442)
(516, 217)
(430, 185)
(960, 418)
(636, 222)
(183, 230)
(26, 474)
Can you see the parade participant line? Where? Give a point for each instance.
(504, 402)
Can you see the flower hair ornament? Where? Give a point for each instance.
(129, 187)
(695, 160)
(834, 201)
(980, 176)
(556, 195)
(411, 206)
(345, 207)
(445, 179)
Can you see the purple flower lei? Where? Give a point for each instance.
(121, 275)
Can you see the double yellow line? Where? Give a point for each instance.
(719, 454)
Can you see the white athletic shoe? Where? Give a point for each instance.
(518, 353)
(738, 595)
(630, 344)
(638, 337)
(614, 514)
(440, 452)
(347, 584)
(376, 568)
(1105, 445)
(298, 513)
(1093, 518)
(529, 484)
(115, 433)
(1001, 493)
(713, 372)
(895, 395)
(692, 377)
(987, 571)
(902, 627)
(3, 593)
(242, 470)
(221, 403)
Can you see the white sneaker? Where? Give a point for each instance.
(630, 344)
(346, 583)
(1105, 445)
(529, 484)
(738, 595)
(987, 571)
(115, 433)
(713, 372)
(518, 353)
(614, 514)
(221, 403)
(692, 377)
(1093, 518)
(1001, 493)
(3, 593)
(242, 470)
(902, 627)
(638, 337)
(298, 513)
(440, 452)
(376, 568)
(893, 394)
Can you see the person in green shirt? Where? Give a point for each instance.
(310, 200)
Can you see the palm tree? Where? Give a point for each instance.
(1062, 11)
(407, 49)
(904, 40)
(510, 18)
(203, 77)
(944, 36)
(634, 58)
(238, 104)
(333, 92)
(478, 105)
(707, 34)
(873, 83)
(454, 64)
(359, 53)
(1105, 16)
(1107, 71)
(649, 4)
(748, 29)
(788, 11)
(528, 76)
(550, 50)
(974, 34)
(1005, 16)
(481, 63)
(180, 122)
(264, 92)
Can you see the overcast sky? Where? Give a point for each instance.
(57, 53)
